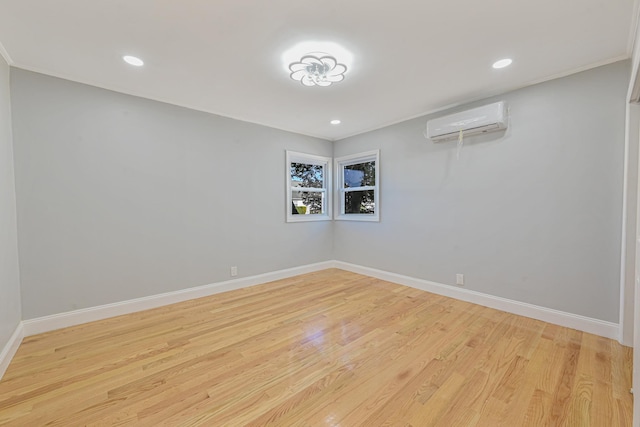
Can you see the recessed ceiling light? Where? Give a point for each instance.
(133, 60)
(502, 63)
(335, 122)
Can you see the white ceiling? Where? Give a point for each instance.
(410, 57)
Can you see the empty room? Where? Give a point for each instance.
(345, 213)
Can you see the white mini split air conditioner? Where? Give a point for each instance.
(488, 118)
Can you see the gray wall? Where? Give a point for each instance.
(533, 215)
(9, 274)
(121, 197)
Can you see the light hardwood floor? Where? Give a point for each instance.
(330, 348)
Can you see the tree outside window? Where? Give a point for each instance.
(358, 183)
(308, 185)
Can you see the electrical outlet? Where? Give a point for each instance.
(234, 271)
(460, 279)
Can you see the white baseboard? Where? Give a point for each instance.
(62, 320)
(10, 348)
(574, 321)
(77, 317)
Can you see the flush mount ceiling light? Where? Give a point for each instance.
(502, 63)
(317, 69)
(133, 60)
(335, 122)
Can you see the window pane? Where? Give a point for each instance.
(306, 203)
(359, 202)
(360, 175)
(306, 175)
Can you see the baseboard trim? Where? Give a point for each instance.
(62, 320)
(569, 320)
(72, 318)
(10, 348)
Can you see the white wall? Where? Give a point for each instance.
(533, 215)
(121, 197)
(10, 314)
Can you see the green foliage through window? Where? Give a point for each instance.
(307, 176)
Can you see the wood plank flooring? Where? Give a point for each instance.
(330, 348)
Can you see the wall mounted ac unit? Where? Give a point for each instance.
(488, 118)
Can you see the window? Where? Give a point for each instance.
(308, 184)
(358, 184)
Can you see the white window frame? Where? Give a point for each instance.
(353, 159)
(310, 159)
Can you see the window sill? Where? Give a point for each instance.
(358, 217)
(308, 218)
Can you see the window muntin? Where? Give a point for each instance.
(358, 187)
(308, 184)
